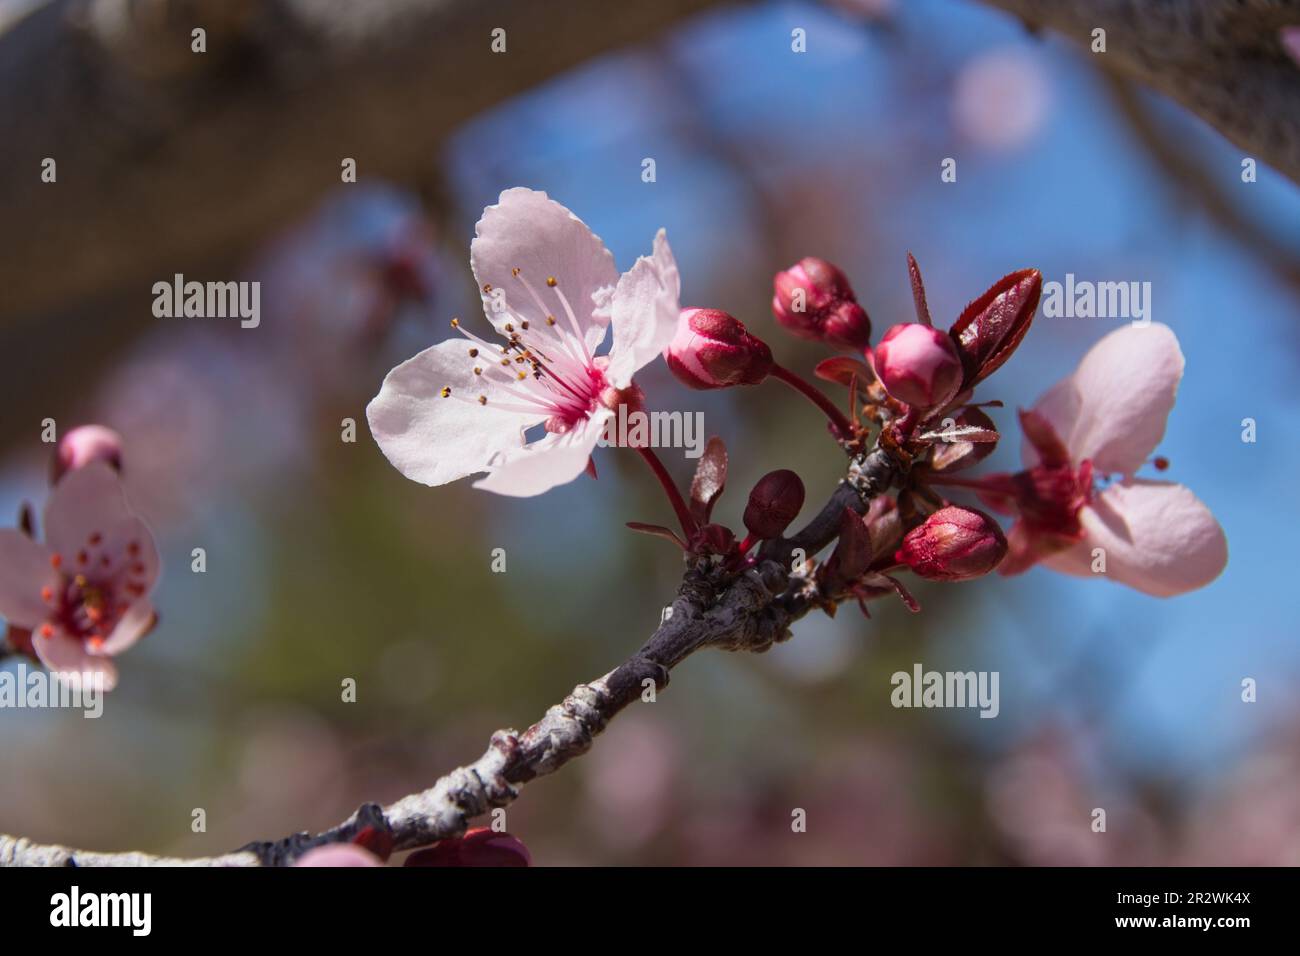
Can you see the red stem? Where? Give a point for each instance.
(814, 395)
(674, 496)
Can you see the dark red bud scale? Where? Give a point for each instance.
(991, 327)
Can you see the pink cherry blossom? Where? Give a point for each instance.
(1105, 420)
(550, 292)
(84, 593)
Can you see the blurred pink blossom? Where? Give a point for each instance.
(1001, 99)
(83, 595)
(1105, 419)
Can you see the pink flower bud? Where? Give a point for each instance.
(478, 847)
(773, 504)
(714, 350)
(954, 544)
(85, 444)
(813, 300)
(918, 365)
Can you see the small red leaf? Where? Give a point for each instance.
(659, 531)
(918, 291)
(852, 554)
(842, 370)
(974, 438)
(710, 479)
(990, 328)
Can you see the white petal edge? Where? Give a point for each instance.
(1112, 409)
(546, 464)
(645, 310)
(1158, 538)
(434, 440)
(67, 658)
(133, 625)
(529, 231)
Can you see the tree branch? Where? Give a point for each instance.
(1221, 59)
(713, 608)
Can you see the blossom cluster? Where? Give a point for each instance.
(553, 297)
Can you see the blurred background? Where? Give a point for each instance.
(323, 563)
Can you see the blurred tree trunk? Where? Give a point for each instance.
(1221, 59)
(168, 159)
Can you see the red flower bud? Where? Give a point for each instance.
(918, 365)
(714, 350)
(85, 444)
(478, 847)
(991, 327)
(813, 300)
(773, 504)
(954, 544)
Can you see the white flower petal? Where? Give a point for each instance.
(645, 310)
(435, 440)
(132, 626)
(24, 569)
(528, 231)
(86, 501)
(1158, 538)
(555, 460)
(1112, 410)
(67, 657)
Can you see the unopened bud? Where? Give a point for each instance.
(953, 544)
(813, 300)
(714, 350)
(918, 365)
(82, 445)
(773, 504)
